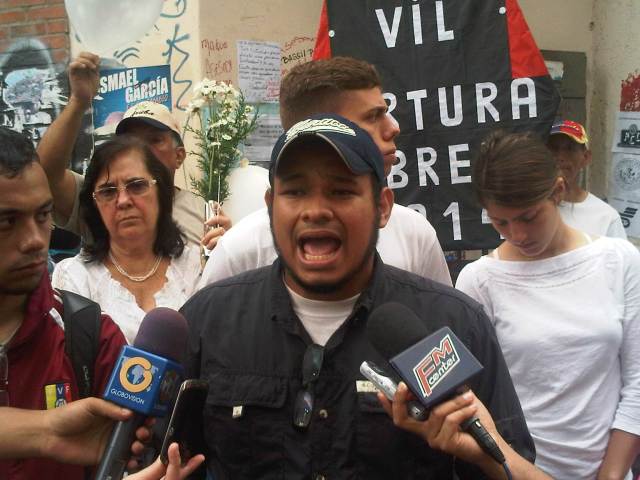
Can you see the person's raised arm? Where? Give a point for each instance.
(56, 147)
(442, 431)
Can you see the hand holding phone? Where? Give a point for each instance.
(185, 425)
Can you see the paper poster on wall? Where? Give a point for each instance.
(122, 88)
(257, 148)
(296, 51)
(259, 70)
(624, 184)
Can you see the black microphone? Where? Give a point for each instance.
(434, 367)
(145, 379)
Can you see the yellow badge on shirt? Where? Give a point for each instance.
(57, 395)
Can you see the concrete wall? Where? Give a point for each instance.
(616, 37)
(560, 25)
(292, 24)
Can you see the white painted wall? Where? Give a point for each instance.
(560, 24)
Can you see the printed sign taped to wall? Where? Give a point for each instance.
(451, 72)
(122, 88)
(624, 181)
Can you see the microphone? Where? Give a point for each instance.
(434, 367)
(145, 379)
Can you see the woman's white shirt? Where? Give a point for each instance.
(569, 328)
(93, 280)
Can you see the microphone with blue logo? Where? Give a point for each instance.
(434, 366)
(145, 379)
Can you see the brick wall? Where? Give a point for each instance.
(45, 20)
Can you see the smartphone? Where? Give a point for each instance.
(185, 425)
(388, 387)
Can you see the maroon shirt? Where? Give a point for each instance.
(36, 359)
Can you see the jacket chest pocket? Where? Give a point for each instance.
(374, 429)
(385, 451)
(245, 424)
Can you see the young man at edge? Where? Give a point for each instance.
(40, 375)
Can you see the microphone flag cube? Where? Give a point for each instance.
(436, 366)
(144, 382)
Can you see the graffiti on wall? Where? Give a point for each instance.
(176, 54)
(178, 77)
(179, 8)
(30, 88)
(297, 50)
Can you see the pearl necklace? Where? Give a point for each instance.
(135, 278)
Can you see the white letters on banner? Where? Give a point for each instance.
(390, 34)
(484, 103)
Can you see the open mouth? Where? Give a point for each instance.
(319, 247)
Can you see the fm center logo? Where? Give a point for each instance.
(436, 365)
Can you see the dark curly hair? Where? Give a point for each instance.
(169, 241)
(17, 152)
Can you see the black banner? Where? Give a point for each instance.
(449, 77)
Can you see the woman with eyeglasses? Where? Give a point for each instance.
(136, 258)
(566, 309)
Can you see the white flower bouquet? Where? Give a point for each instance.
(224, 120)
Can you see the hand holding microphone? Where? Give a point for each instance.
(435, 367)
(145, 379)
(443, 429)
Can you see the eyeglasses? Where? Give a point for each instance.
(135, 188)
(4, 377)
(311, 366)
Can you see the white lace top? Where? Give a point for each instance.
(94, 281)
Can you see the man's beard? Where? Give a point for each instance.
(329, 288)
